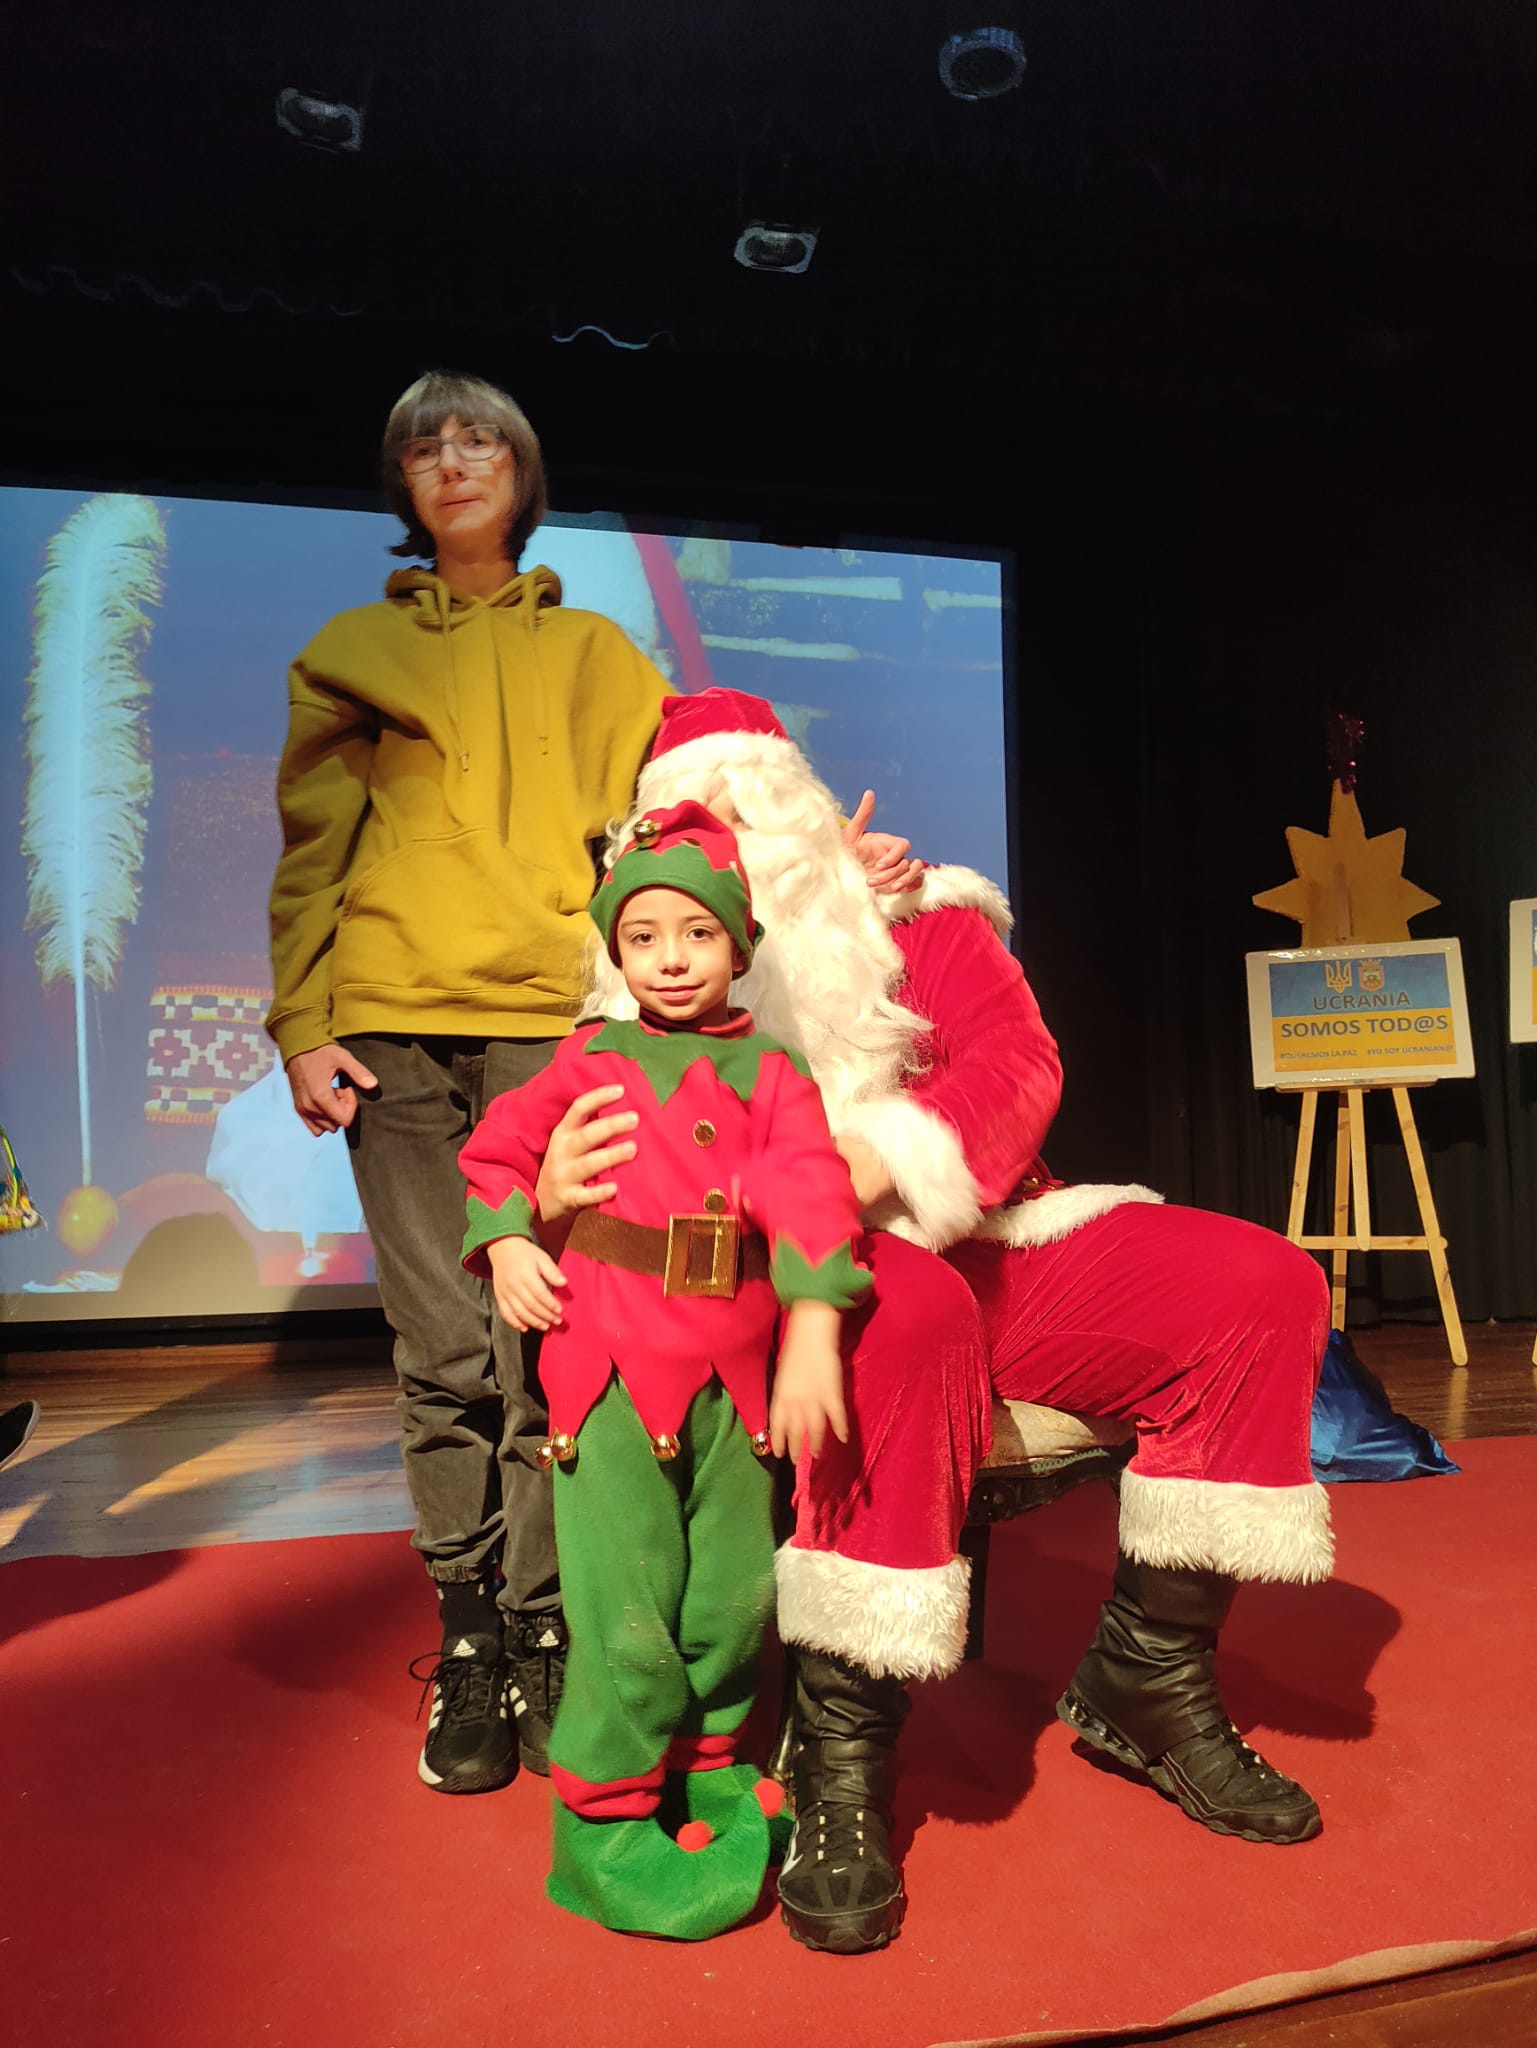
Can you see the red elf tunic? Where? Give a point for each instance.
(724, 1112)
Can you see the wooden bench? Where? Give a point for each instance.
(1038, 1455)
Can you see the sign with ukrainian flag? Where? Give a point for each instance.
(1523, 970)
(1359, 1016)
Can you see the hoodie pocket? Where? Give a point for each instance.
(459, 915)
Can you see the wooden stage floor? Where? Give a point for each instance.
(156, 1449)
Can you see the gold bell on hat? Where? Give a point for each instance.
(762, 1446)
(646, 830)
(556, 1450)
(665, 1448)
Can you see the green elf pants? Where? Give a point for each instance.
(667, 1575)
(667, 1571)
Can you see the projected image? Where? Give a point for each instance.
(151, 1163)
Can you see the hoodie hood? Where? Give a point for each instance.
(439, 609)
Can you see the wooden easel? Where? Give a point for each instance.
(1352, 1199)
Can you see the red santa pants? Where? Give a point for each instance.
(1204, 1332)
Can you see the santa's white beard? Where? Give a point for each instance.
(823, 978)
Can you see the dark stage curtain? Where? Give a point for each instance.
(1185, 624)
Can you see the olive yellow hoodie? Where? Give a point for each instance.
(449, 763)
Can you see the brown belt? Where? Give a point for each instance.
(700, 1255)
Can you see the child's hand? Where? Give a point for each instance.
(522, 1277)
(808, 1383)
(591, 1138)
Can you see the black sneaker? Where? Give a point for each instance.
(469, 1746)
(536, 1671)
(16, 1425)
(839, 1886)
(1213, 1774)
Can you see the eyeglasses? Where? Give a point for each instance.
(476, 445)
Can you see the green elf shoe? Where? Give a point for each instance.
(631, 1876)
(717, 1798)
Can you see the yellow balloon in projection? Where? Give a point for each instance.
(86, 1218)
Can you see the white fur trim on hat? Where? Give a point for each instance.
(717, 749)
(922, 1153)
(1213, 1525)
(951, 888)
(1051, 1217)
(893, 1623)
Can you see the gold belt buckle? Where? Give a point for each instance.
(701, 1256)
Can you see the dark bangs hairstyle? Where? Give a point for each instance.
(443, 395)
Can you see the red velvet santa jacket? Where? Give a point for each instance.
(727, 1110)
(963, 1138)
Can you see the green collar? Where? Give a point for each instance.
(665, 1056)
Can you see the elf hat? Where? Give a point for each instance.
(683, 847)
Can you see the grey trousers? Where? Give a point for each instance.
(472, 1414)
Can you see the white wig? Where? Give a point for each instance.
(822, 979)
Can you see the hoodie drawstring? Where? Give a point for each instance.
(528, 593)
(541, 694)
(451, 674)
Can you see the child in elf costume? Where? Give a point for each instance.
(656, 1365)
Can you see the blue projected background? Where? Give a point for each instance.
(193, 1189)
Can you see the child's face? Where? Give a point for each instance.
(676, 957)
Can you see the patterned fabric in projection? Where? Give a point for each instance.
(205, 1045)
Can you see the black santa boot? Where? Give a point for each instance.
(1146, 1693)
(839, 1888)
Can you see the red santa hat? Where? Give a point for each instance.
(687, 848)
(719, 726)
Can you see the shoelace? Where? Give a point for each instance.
(1250, 1758)
(538, 1656)
(835, 1832)
(468, 1687)
(1247, 1758)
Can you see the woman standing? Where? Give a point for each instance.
(454, 753)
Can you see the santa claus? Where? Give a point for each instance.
(1203, 1333)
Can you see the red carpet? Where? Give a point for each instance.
(215, 1834)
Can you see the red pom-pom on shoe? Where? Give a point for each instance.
(770, 1795)
(695, 1834)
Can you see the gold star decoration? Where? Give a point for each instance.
(1348, 888)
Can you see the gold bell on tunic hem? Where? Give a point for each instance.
(664, 1448)
(556, 1450)
(761, 1445)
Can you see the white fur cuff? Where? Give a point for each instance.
(951, 888)
(1211, 1525)
(928, 1168)
(893, 1623)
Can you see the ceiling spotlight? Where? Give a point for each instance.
(982, 64)
(322, 123)
(769, 245)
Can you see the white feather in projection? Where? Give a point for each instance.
(88, 750)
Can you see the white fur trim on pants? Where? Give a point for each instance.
(1242, 1531)
(892, 1623)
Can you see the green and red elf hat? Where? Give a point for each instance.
(687, 848)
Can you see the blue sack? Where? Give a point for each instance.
(1357, 1433)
